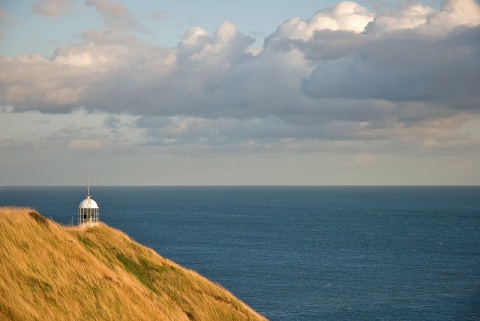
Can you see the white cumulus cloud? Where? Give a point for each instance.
(345, 16)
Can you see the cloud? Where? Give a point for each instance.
(409, 17)
(102, 58)
(84, 145)
(2, 17)
(344, 74)
(159, 14)
(454, 13)
(37, 83)
(345, 16)
(120, 24)
(51, 8)
(226, 46)
(113, 12)
(401, 67)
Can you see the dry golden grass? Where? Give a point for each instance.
(54, 272)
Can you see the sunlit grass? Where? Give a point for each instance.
(54, 272)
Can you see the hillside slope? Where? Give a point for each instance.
(54, 272)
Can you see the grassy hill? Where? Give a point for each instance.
(54, 272)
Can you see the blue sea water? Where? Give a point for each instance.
(304, 253)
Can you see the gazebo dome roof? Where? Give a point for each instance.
(88, 203)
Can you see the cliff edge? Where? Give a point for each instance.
(54, 272)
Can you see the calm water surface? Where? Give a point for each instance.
(304, 253)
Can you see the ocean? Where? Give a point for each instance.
(304, 253)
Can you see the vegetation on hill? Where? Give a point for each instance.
(54, 272)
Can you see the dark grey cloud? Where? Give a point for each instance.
(402, 67)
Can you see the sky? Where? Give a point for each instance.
(292, 92)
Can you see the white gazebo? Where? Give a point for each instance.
(88, 211)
